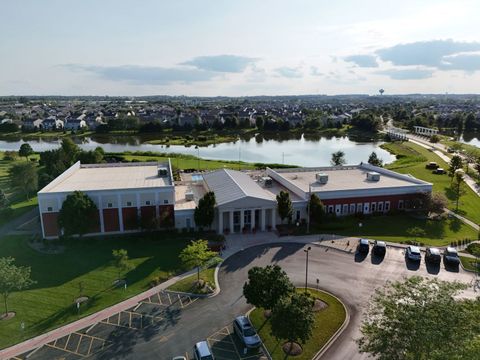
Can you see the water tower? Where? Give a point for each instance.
(381, 91)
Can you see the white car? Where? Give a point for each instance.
(413, 253)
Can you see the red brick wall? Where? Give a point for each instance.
(148, 213)
(130, 218)
(110, 220)
(167, 217)
(50, 224)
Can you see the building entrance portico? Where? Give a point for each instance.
(246, 220)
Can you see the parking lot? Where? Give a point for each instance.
(155, 310)
(226, 345)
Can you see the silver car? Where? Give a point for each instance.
(413, 253)
(245, 331)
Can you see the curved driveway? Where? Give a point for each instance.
(351, 279)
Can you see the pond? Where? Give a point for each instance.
(301, 151)
(471, 138)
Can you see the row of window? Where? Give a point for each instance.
(110, 205)
(365, 208)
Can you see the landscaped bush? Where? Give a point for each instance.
(473, 248)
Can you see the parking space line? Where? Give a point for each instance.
(159, 299)
(169, 299)
(90, 347)
(66, 350)
(79, 341)
(66, 344)
(180, 299)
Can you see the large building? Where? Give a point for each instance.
(131, 195)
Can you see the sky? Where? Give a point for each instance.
(238, 48)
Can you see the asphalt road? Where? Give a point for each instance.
(352, 279)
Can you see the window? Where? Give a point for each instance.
(330, 209)
(400, 204)
(374, 207)
(387, 205)
(129, 203)
(352, 208)
(109, 205)
(345, 209)
(359, 208)
(298, 215)
(147, 202)
(380, 206)
(165, 201)
(49, 209)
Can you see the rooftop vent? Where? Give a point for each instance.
(322, 178)
(373, 176)
(266, 181)
(162, 172)
(189, 195)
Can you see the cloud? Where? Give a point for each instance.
(429, 53)
(367, 61)
(288, 72)
(466, 62)
(314, 71)
(407, 74)
(145, 75)
(221, 63)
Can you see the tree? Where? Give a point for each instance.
(197, 254)
(373, 159)
(266, 286)
(293, 318)
(456, 163)
(338, 158)
(407, 320)
(205, 210)
(457, 186)
(316, 209)
(3, 199)
(435, 203)
(434, 139)
(13, 278)
(24, 177)
(78, 214)
(25, 150)
(284, 206)
(120, 261)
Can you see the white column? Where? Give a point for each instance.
(253, 218)
(220, 222)
(230, 219)
(120, 216)
(274, 218)
(242, 223)
(100, 210)
(263, 219)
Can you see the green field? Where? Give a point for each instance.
(395, 228)
(327, 322)
(187, 284)
(84, 264)
(470, 263)
(412, 158)
(16, 200)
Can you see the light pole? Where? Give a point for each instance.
(308, 207)
(307, 250)
(198, 157)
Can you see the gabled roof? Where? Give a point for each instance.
(230, 185)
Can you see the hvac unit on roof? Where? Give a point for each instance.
(373, 176)
(189, 195)
(162, 171)
(322, 178)
(266, 181)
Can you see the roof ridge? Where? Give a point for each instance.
(231, 177)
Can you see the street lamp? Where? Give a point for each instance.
(307, 250)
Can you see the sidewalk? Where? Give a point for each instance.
(87, 321)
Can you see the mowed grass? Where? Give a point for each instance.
(327, 322)
(83, 269)
(470, 263)
(188, 284)
(395, 228)
(412, 159)
(15, 198)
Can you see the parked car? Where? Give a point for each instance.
(432, 255)
(439, 171)
(450, 256)
(379, 248)
(413, 253)
(201, 351)
(179, 358)
(246, 332)
(363, 246)
(431, 165)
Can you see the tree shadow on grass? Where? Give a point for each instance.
(455, 224)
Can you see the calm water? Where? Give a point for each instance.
(300, 151)
(471, 138)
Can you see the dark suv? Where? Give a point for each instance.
(432, 255)
(379, 248)
(363, 246)
(450, 256)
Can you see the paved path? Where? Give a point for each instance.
(17, 222)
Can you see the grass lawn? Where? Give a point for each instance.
(85, 264)
(470, 263)
(394, 228)
(412, 158)
(188, 284)
(15, 199)
(327, 322)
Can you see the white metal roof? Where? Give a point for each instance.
(230, 185)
